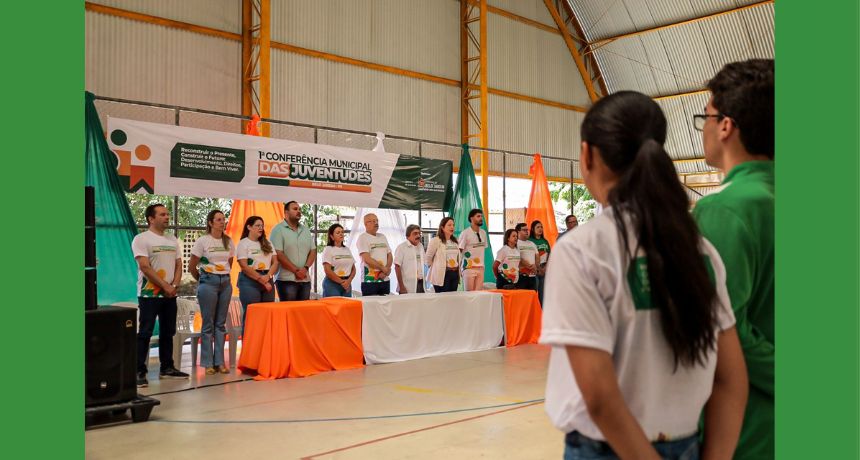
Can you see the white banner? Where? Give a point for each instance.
(175, 160)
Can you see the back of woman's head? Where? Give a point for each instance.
(628, 130)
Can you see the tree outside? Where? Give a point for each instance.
(584, 205)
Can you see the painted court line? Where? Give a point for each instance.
(373, 441)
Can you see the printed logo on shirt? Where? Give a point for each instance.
(469, 261)
(640, 285)
(159, 249)
(377, 246)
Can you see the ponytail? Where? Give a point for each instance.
(649, 202)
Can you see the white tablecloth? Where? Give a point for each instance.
(412, 326)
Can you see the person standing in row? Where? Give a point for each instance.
(257, 263)
(409, 262)
(443, 257)
(159, 264)
(570, 223)
(637, 311)
(738, 137)
(376, 259)
(536, 236)
(473, 243)
(528, 258)
(507, 263)
(296, 252)
(210, 263)
(338, 263)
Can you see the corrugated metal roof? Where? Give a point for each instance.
(218, 14)
(409, 34)
(145, 62)
(530, 61)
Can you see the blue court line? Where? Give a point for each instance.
(344, 419)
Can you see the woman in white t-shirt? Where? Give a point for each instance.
(339, 265)
(258, 265)
(443, 257)
(210, 263)
(507, 263)
(636, 307)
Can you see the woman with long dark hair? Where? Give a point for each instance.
(506, 267)
(637, 310)
(536, 236)
(338, 263)
(443, 256)
(258, 265)
(210, 263)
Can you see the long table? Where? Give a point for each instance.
(298, 339)
(412, 326)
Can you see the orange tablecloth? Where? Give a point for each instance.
(522, 316)
(298, 339)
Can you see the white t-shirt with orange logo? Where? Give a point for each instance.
(340, 258)
(214, 257)
(252, 252)
(162, 251)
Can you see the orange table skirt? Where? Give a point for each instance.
(522, 316)
(298, 339)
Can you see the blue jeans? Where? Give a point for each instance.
(332, 289)
(165, 309)
(292, 290)
(213, 295)
(540, 285)
(579, 447)
(251, 291)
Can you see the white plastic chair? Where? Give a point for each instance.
(186, 307)
(234, 327)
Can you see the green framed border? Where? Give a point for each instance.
(43, 169)
(817, 230)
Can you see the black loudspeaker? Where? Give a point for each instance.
(90, 285)
(111, 342)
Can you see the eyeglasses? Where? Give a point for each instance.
(699, 120)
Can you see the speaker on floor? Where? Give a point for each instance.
(110, 355)
(90, 285)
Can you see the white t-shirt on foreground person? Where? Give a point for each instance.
(588, 302)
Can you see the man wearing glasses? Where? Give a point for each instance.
(738, 137)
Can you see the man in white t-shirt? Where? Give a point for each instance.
(473, 243)
(159, 263)
(528, 256)
(409, 262)
(376, 259)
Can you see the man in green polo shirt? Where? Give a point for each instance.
(296, 252)
(738, 137)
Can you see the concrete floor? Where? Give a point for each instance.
(485, 404)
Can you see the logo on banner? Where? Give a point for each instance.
(133, 177)
(307, 171)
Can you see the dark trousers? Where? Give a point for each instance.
(419, 287)
(368, 289)
(527, 282)
(501, 282)
(292, 290)
(150, 308)
(452, 280)
(541, 283)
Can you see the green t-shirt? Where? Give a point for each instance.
(542, 249)
(739, 221)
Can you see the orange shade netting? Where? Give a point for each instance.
(540, 202)
(271, 212)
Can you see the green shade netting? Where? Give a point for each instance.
(115, 227)
(466, 198)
